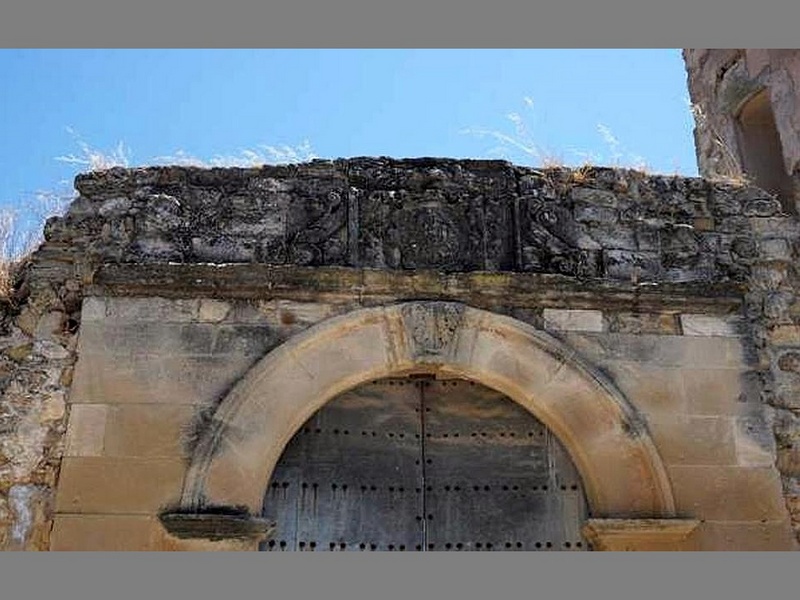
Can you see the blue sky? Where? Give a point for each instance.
(604, 106)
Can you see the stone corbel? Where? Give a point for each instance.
(216, 529)
(639, 534)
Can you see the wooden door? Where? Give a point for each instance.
(424, 464)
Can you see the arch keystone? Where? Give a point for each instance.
(432, 329)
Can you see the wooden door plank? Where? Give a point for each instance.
(354, 473)
(494, 474)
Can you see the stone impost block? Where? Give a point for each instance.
(639, 534)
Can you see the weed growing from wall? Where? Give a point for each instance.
(519, 145)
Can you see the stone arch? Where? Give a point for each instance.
(609, 443)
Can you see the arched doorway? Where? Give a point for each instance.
(629, 496)
(420, 463)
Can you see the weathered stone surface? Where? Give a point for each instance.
(142, 310)
(213, 310)
(340, 286)
(118, 485)
(632, 266)
(643, 323)
(785, 335)
(762, 207)
(789, 460)
(742, 536)
(728, 493)
(573, 320)
(51, 350)
(789, 362)
(105, 533)
(148, 430)
(86, 430)
(675, 289)
(718, 88)
(29, 506)
(755, 440)
(722, 391)
(34, 352)
(684, 440)
(216, 525)
(49, 326)
(453, 215)
(775, 249)
(705, 325)
(654, 390)
(721, 82)
(661, 350)
(19, 353)
(156, 378)
(640, 534)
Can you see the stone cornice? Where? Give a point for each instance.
(369, 286)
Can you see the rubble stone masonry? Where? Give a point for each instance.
(160, 287)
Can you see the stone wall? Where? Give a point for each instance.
(720, 82)
(192, 275)
(38, 326)
(454, 216)
(151, 371)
